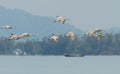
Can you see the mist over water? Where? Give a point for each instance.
(59, 65)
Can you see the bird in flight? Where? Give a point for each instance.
(25, 35)
(61, 19)
(14, 37)
(7, 27)
(71, 35)
(95, 33)
(54, 38)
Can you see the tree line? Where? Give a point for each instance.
(108, 45)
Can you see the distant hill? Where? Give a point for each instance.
(39, 26)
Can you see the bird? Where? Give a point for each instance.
(7, 27)
(25, 35)
(14, 37)
(71, 35)
(54, 38)
(61, 19)
(91, 34)
(94, 33)
(98, 30)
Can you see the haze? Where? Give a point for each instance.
(84, 14)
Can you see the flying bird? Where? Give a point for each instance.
(14, 37)
(98, 30)
(54, 38)
(71, 35)
(25, 35)
(61, 19)
(94, 33)
(91, 34)
(7, 27)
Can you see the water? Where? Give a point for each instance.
(59, 65)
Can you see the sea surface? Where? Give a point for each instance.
(59, 65)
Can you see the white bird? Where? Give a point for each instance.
(91, 34)
(71, 35)
(61, 19)
(14, 37)
(95, 33)
(98, 30)
(25, 35)
(54, 38)
(7, 27)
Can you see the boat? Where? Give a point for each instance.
(74, 55)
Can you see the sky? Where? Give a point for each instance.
(84, 14)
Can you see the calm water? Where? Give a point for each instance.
(59, 65)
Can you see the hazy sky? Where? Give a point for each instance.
(84, 14)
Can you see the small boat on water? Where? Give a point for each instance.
(74, 55)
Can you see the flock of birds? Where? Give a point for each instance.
(96, 33)
(15, 36)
